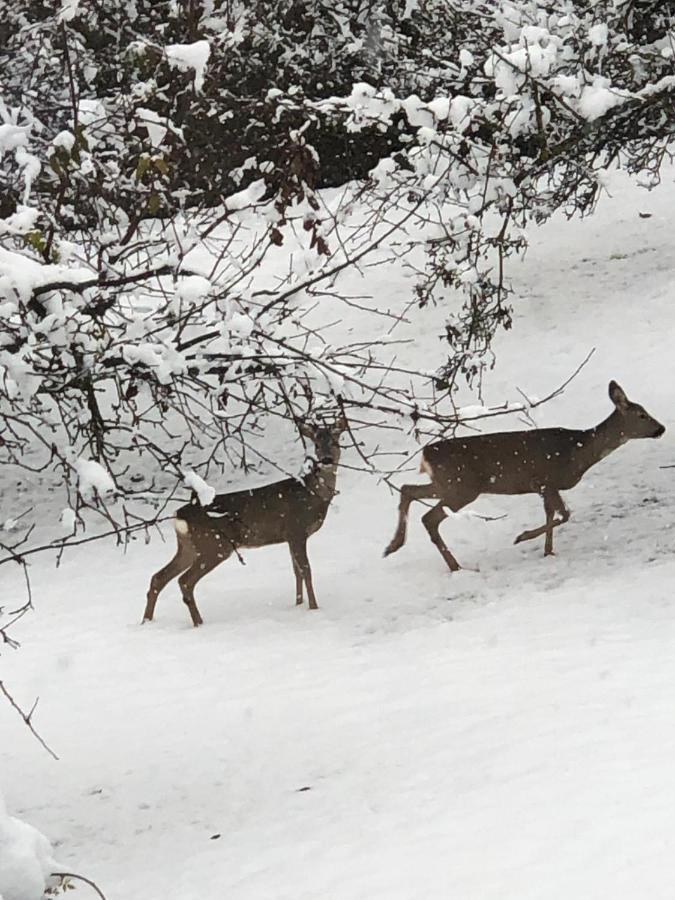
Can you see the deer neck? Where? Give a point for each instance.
(604, 439)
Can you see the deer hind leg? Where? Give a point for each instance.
(431, 521)
(409, 492)
(297, 571)
(200, 567)
(553, 503)
(301, 561)
(182, 560)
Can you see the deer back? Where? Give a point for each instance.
(269, 514)
(511, 462)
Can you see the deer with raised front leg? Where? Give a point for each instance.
(542, 461)
(287, 511)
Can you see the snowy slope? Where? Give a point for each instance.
(506, 733)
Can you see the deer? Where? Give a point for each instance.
(287, 511)
(541, 461)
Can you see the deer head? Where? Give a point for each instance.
(325, 436)
(635, 420)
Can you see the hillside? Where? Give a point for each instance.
(503, 733)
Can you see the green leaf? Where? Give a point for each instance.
(161, 165)
(154, 202)
(35, 239)
(142, 166)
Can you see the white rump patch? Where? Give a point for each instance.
(181, 526)
(426, 468)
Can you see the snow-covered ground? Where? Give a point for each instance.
(507, 733)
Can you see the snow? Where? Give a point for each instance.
(193, 56)
(500, 734)
(164, 358)
(20, 222)
(191, 288)
(25, 859)
(65, 139)
(598, 34)
(68, 519)
(598, 98)
(69, 9)
(248, 197)
(21, 274)
(154, 124)
(31, 169)
(204, 492)
(92, 477)
(12, 136)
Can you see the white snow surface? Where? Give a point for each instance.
(501, 734)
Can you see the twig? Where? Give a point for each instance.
(559, 390)
(27, 718)
(73, 875)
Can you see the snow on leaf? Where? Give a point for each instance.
(190, 56)
(154, 125)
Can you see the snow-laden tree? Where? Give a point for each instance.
(544, 99)
(139, 334)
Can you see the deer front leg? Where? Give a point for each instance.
(409, 492)
(553, 503)
(431, 521)
(298, 580)
(299, 552)
(549, 509)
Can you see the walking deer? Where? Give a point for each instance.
(287, 511)
(543, 461)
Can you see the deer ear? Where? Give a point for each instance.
(341, 423)
(617, 396)
(306, 430)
